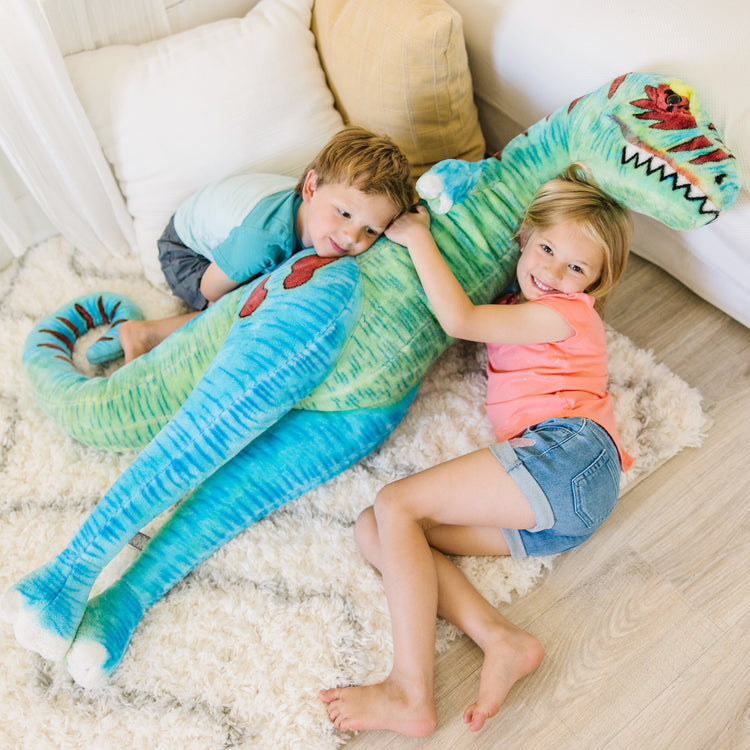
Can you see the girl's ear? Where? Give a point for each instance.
(522, 235)
(309, 186)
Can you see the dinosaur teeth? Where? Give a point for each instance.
(653, 164)
(708, 207)
(640, 157)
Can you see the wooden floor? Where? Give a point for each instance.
(647, 626)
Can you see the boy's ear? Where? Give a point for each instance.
(310, 185)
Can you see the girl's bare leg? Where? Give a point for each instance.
(140, 336)
(509, 652)
(420, 582)
(404, 701)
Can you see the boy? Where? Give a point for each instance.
(245, 225)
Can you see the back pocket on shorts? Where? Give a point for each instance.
(595, 491)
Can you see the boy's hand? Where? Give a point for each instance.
(409, 225)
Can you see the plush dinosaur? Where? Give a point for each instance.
(286, 382)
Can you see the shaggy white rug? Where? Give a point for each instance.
(234, 656)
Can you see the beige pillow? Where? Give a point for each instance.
(400, 67)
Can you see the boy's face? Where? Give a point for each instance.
(339, 220)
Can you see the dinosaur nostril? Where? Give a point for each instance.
(719, 178)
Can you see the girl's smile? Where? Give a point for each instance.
(558, 259)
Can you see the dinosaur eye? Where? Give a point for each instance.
(719, 178)
(673, 98)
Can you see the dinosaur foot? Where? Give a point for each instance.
(45, 608)
(30, 633)
(103, 635)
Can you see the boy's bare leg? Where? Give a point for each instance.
(140, 336)
(510, 653)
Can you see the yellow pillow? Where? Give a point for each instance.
(400, 67)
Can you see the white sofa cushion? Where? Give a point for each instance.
(175, 114)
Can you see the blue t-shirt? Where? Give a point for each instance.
(246, 223)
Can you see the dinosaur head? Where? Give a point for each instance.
(649, 144)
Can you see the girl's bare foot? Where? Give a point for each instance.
(511, 655)
(382, 706)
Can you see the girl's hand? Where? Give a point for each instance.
(456, 313)
(409, 225)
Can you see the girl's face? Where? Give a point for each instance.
(560, 258)
(340, 219)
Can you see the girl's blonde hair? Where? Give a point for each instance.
(574, 197)
(374, 164)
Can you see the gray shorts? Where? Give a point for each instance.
(183, 268)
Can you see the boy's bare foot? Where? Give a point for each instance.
(140, 336)
(382, 706)
(134, 338)
(513, 654)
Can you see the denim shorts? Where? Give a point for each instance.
(569, 471)
(183, 268)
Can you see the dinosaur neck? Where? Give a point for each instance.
(534, 157)
(477, 235)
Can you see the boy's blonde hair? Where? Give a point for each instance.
(574, 197)
(372, 163)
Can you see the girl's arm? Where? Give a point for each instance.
(456, 313)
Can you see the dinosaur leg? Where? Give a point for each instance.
(264, 368)
(301, 452)
(47, 604)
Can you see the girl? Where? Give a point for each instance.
(544, 487)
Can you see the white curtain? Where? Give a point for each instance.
(15, 230)
(88, 24)
(44, 132)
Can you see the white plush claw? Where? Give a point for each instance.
(85, 663)
(431, 187)
(32, 636)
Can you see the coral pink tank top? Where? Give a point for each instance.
(530, 383)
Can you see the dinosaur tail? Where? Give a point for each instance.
(125, 410)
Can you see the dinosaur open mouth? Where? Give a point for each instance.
(654, 165)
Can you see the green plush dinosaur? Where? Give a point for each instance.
(288, 381)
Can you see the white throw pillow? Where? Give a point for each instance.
(175, 114)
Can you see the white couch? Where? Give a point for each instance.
(172, 114)
(529, 57)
